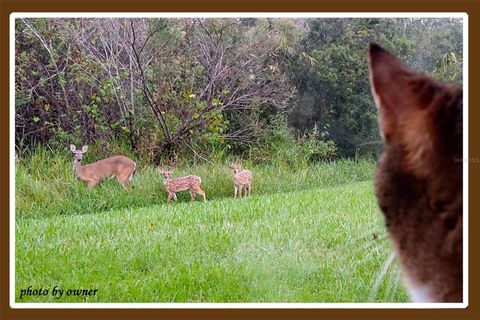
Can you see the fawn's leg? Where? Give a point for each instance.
(240, 187)
(192, 195)
(170, 196)
(175, 196)
(202, 193)
(235, 191)
(249, 188)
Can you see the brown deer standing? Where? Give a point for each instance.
(241, 179)
(190, 183)
(121, 167)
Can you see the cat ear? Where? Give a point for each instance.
(400, 93)
(384, 68)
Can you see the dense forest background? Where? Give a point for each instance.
(211, 89)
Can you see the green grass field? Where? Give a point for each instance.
(303, 236)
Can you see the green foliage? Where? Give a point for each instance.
(314, 149)
(331, 73)
(61, 139)
(278, 145)
(218, 84)
(449, 68)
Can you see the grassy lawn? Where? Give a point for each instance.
(309, 245)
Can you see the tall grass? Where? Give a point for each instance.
(45, 184)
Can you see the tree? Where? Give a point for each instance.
(205, 86)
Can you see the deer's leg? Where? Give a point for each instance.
(170, 196)
(192, 195)
(240, 187)
(175, 196)
(235, 191)
(91, 183)
(130, 177)
(249, 188)
(125, 182)
(202, 193)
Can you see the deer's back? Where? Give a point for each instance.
(108, 167)
(184, 183)
(243, 177)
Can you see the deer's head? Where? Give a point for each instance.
(165, 172)
(78, 154)
(235, 167)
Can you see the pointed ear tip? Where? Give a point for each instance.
(375, 52)
(374, 48)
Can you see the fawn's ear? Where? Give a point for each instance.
(84, 149)
(401, 94)
(73, 148)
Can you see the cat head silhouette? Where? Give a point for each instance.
(418, 181)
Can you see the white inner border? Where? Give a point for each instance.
(80, 305)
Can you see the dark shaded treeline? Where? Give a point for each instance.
(203, 88)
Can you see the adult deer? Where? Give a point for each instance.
(121, 167)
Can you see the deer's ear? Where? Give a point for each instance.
(73, 148)
(84, 149)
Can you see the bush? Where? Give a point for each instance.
(279, 145)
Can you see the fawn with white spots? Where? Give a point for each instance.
(191, 183)
(121, 167)
(241, 179)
